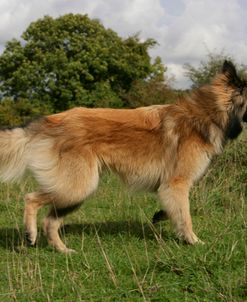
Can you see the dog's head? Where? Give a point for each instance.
(236, 104)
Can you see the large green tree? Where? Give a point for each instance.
(73, 60)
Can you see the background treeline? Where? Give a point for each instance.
(75, 61)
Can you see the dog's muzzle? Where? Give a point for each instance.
(245, 117)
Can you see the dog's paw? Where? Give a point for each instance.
(30, 241)
(65, 250)
(192, 239)
(200, 242)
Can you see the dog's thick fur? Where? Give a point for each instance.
(160, 148)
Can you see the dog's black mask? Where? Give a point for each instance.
(245, 117)
(234, 127)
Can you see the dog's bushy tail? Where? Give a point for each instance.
(13, 154)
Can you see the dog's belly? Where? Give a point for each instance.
(140, 177)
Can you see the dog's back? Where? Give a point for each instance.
(68, 146)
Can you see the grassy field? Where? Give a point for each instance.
(121, 256)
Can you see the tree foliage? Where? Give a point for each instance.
(207, 69)
(154, 90)
(73, 60)
(21, 111)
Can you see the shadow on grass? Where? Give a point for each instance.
(13, 239)
(126, 228)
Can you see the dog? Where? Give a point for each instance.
(159, 148)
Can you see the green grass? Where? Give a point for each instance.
(121, 256)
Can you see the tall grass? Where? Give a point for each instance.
(121, 256)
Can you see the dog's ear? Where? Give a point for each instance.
(229, 70)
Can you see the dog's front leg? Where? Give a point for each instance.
(174, 198)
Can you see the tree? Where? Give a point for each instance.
(207, 69)
(73, 60)
(154, 90)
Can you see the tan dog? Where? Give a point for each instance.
(159, 148)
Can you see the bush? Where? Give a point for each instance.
(207, 69)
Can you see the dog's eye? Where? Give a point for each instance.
(241, 90)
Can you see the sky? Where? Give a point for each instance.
(186, 30)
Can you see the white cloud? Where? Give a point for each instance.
(186, 30)
(176, 72)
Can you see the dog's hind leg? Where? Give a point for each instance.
(52, 224)
(175, 201)
(75, 186)
(33, 201)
